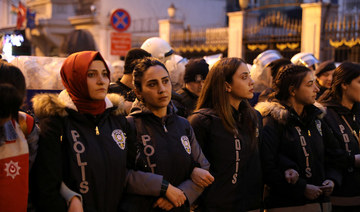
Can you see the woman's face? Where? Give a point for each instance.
(325, 79)
(97, 80)
(307, 91)
(156, 87)
(242, 86)
(352, 90)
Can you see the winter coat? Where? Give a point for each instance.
(290, 142)
(85, 152)
(185, 102)
(350, 186)
(238, 184)
(175, 153)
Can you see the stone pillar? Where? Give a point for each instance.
(314, 16)
(238, 21)
(167, 26)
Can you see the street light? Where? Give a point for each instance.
(171, 11)
(243, 4)
(93, 9)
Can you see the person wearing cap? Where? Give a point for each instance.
(196, 71)
(124, 86)
(324, 76)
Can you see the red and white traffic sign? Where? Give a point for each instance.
(120, 20)
(120, 43)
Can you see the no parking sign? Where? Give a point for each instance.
(120, 20)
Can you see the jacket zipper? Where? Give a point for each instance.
(97, 132)
(165, 128)
(163, 123)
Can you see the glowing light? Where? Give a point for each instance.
(8, 42)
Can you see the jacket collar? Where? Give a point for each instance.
(56, 104)
(284, 114)
(343, 110)
(139, 108)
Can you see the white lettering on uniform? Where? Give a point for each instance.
(148, 151)
(306, 154)
(345, 137)
(80, 148)
(237, 158)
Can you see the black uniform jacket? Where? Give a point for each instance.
(123, 90)
(238, 181)
(349, 143)
(166, 146)
(185, 102)
(305, 144)
(85, 152)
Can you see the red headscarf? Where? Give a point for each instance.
(74, 77)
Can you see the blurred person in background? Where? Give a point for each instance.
(324, 76)
(196, 71)
(261, 73)
(305, 59)
(123, 85)
(274, 69)
(175, 64)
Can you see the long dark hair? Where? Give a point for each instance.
(288, 75)
(213, 95)
(343, 74)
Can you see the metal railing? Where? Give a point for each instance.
(342, 39)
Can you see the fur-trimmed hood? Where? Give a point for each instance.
(281, 114)
(48, 104)
(139, 107)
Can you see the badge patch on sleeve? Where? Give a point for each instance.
(186, 143)
(119, 138)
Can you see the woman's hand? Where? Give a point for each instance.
(175, 195)
(163, 204)
(328, 187)
(75, 205)
(312, 192)
(291, 176)
(201, 177)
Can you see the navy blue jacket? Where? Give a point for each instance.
(175, 154)
(234, 189)
(348, 142)
(85, 152)
(305, 144)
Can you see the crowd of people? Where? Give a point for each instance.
(281, 136)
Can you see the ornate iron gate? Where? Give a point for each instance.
(343, 40)
(274, 31)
